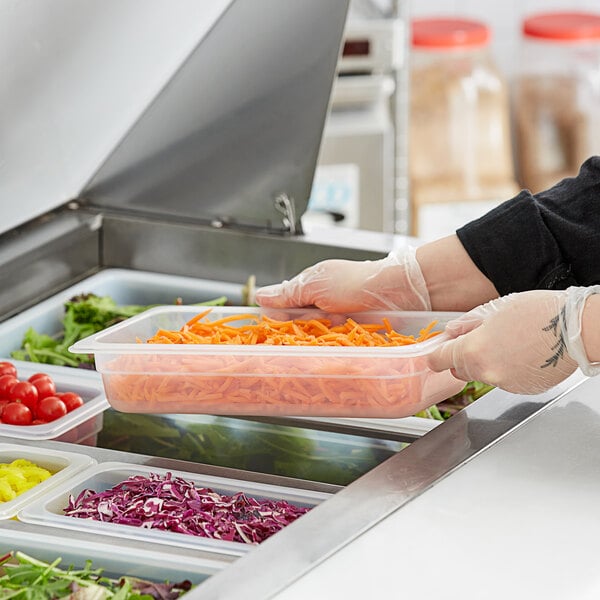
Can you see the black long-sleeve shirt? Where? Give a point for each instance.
(549, 240)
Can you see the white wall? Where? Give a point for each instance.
(504, 17)
(74, 76)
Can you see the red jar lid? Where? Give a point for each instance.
(446, 33)
(563, 26)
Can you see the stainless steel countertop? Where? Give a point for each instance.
(464, 493)
(519, 520)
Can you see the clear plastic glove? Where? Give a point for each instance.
(516, 343)
(392, 283)
(572, 318)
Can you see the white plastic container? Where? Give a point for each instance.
(62, 465)
(49, 509)
(48, 544)
(81, 425)
(266, 379)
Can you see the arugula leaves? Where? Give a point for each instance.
(23, 577)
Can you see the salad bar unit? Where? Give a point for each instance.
(191, 196)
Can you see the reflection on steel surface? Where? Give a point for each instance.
(352, 511)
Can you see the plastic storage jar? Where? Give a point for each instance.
(557, 96)
(460, 138)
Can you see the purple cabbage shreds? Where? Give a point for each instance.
(174, 504)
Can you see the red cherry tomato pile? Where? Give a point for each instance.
(33, 401)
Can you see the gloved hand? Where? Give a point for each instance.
(572, 327)
(516, 343)
(392, 283)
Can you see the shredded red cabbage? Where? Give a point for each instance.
(174, 504)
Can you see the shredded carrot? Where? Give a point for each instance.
(264, 330)
(272, 383)
(253, 385)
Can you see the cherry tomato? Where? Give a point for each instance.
(24, 392)
(38, 422)
(50, 408)
(7, 368)
(44, 386)
(16, 413)
(38, 376)
(6, 383)
(71, 400)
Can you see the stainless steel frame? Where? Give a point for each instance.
(66, 245)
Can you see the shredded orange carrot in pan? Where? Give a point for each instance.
(238, 382)
(271, 385)
(264, 330)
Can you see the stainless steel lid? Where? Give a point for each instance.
(233, 138)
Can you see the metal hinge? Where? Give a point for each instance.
(285, 205)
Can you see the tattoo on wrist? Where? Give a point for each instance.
(560, 346)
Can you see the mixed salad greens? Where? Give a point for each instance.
(23, 577)
(85, 315)
(471, 392)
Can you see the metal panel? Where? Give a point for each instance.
(238, 126)
(46, 255)
(219, 254)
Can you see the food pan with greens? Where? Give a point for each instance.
(23, 577)
(42, 563)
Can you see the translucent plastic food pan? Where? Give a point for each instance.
(49, 510)
(62, 465)
(263, 379)
(48, 544)
(79, 426)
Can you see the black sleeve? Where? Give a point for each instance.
(549, 240)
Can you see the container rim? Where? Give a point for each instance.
(95, 343)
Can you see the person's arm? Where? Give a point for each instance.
(453, 280)
(579, 322)
(549, 240)
(439, 276)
